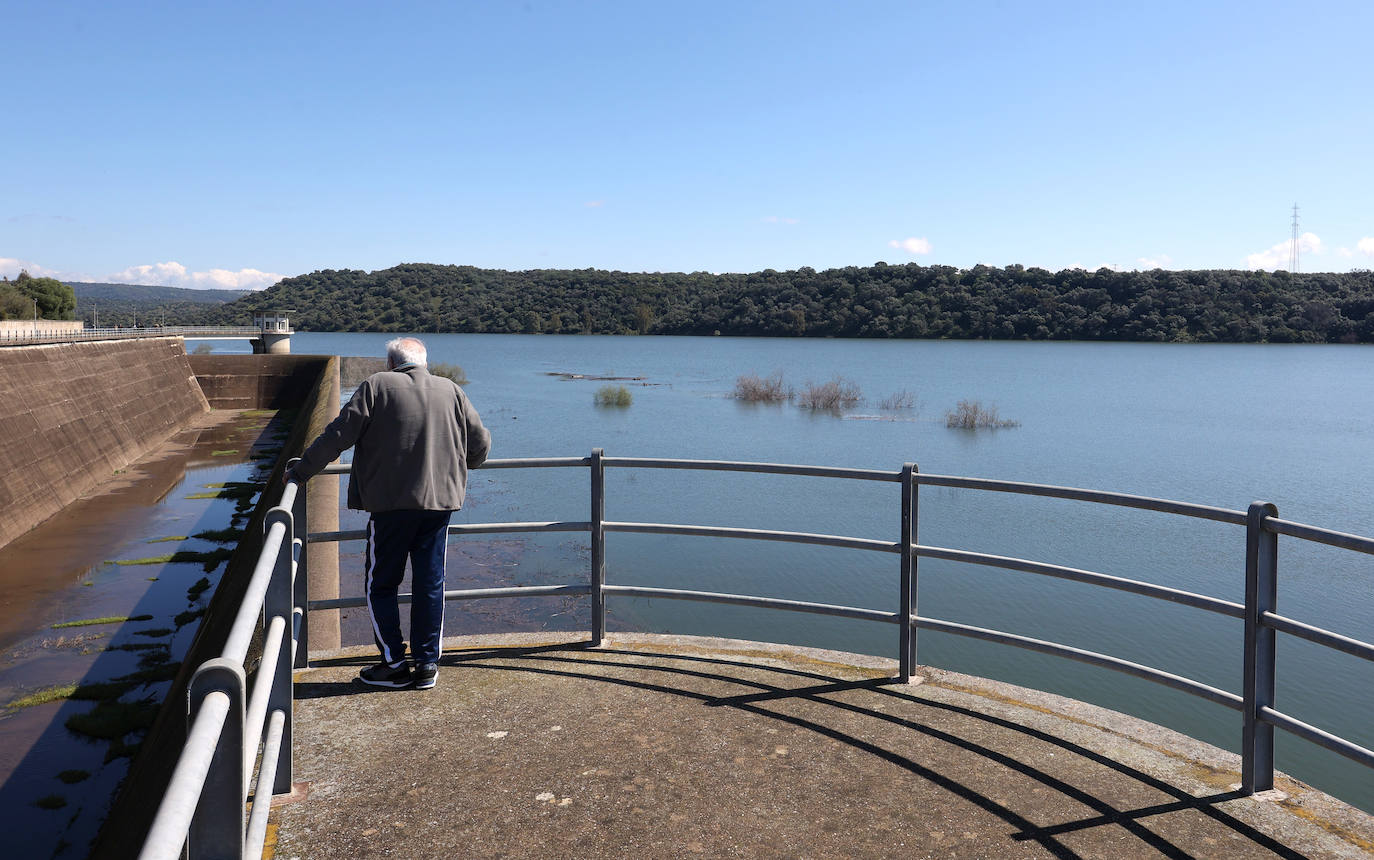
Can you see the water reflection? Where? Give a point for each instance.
(99, 604)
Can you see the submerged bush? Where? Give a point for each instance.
(901, 400)
(449, 371)
(973, 415)
(766, 389)
(838, 393)
(613, 395)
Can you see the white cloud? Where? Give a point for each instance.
(778, 219)
(1163, 261)
(1366, 246)
(914, 245)
(594, 204)
(243, 279)
(10, 267)
(1277, 256)
(174, 274)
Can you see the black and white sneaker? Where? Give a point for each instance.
(386, 675)
(426, 676)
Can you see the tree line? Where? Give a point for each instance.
(27, 296)
(879, 301)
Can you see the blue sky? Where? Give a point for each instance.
(231, 144)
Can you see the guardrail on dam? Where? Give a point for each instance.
(232, 727)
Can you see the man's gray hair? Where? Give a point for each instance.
(405, 350)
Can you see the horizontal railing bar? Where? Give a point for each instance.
(262, 800)
(1342, 540)
(761, 602)
(1125, 500)
(1353, 647)
(467, 594)
(168, 833)
(507, 463)
(754, 534)
(536, 463)
(1317, 736)
(467, 529)
(765, 468)
(1134, 586)
(518, 528)
(1168, 679)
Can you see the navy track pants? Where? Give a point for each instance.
(392, 537)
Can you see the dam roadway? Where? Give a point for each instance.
(534, 745)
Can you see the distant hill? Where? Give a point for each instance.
(148, 293)
(126, 304)
(879, 301)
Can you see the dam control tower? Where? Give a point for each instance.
(276, 332)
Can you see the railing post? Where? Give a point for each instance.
(1261, 592)
(598, 541)
(906, 605)
(217, 828)
(280, 601)
(299, 621)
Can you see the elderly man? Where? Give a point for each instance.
(416, 436)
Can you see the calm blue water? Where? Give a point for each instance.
(1219, 424)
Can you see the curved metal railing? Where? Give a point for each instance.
(1255, 699)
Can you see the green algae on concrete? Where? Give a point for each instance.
(112, 619)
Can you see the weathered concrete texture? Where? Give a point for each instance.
(311, 388)
(657, 746)
(256, 381)
(76, 413)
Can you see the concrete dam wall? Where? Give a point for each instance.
(71, 415)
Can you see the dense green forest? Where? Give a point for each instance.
(877, 301)
(27, 296)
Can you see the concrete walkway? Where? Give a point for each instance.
(664, 746)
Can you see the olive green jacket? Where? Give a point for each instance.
(415, 435)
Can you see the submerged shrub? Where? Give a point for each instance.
(901, 400)
(838, 393)
(762, 389)
(613, 395)
(449, 371)
(973, 415)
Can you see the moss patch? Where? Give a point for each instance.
(221, 535)
(42, 697)
(209, 559)
(112, 619)
(171, 539)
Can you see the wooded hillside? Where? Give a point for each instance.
(878, 301)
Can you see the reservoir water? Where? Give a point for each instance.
(1221, 425)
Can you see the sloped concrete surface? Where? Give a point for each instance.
(664, 746)
(76, 413)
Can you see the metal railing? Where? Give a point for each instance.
(202, 810)
(39, 334)
(218, 821)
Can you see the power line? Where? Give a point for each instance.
(1293, 248)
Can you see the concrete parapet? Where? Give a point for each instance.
(74, 414)
(19, 329)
